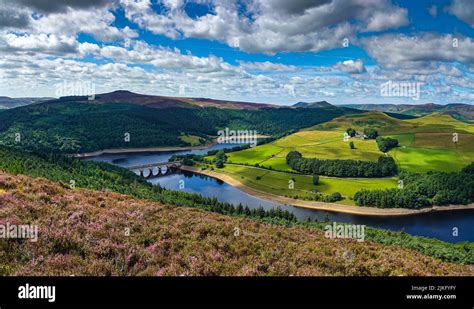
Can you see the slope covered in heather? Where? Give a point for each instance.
(83, 232)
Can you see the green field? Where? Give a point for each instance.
(426, 143)
(312, 144)
(278, 182)
(190, 139)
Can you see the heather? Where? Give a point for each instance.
(83, 232)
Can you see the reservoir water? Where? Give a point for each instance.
(438, 225)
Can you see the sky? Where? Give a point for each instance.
(272, 51)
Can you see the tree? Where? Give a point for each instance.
(469, 169)
(220, 164)
(386, 143)
(351, 145)
(220, 155)
(315, 179)
(351, 132)
(371, 133)
(334, 197)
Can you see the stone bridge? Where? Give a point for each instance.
(156, 169)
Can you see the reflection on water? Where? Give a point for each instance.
(142, 158)
(438, 225)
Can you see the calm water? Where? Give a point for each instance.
(438, 225)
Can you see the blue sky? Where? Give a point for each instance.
(275, 51)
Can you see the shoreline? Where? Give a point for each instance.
(140, 150)
(332, 207)
(148, 149)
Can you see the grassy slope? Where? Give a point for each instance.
(426, 143)
(277, 183)
(82, 232)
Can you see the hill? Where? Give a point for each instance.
(464, 112)
(426, 143)
(70, 126)
(313, 104)
(160, 102)
(7, 102)
(82, 232)
(385, 124)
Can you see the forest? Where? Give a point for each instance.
(422, 190)
(74, 127)
(385, 166)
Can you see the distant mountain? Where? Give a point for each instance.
(320, 104)
(124, 96)
(7, 102)
(464, 112)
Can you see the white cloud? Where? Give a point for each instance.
(267, 66)
(351, 66)
(402, 51)
(271, 26)
(464, 10)
(38, 43)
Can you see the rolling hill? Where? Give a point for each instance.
(313, 104)
(161, 102)
(426, 143)
(72, 124)
(7, 102)
(464, 112)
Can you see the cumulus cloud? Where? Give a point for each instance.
(351, 66)
(402, 51)
(45, 6)
(97, 23)
(267, 66)
(166, 58)
(464, 10)
(40, 43)
(271, 26)
(17, 19)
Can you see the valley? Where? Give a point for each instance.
(260, 179)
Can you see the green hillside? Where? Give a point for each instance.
(71, 127)
(426, 143)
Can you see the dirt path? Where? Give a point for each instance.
(356, 210)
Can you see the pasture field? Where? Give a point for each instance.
(426, 143)
(278, 183)
(312, 144)
(386, 125)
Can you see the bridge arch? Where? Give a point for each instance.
(156, 169)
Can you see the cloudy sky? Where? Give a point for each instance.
(276, 51)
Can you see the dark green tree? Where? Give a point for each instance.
(351, 132)
(371, 133)
(315, 179)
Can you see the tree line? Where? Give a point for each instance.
(422, 190)
(383, 167)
